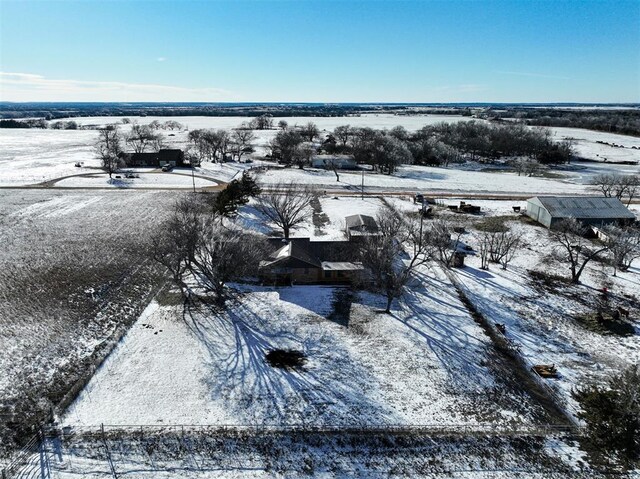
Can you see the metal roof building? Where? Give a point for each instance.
(594, 211)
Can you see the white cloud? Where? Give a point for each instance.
(161, 59)
(30, 87)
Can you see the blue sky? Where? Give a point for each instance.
(320, 51)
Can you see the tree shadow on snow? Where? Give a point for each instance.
(332, 388)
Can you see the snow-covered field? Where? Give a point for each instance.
(35, 156)
(32, 156)
(428, 363)
(587, 146)
(73, 270)
(378, 121)
(426, 180)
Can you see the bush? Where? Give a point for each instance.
(612, 415)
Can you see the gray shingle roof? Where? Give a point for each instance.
(361, 222)
(583, 207)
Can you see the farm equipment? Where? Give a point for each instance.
(546, 370)
(468, 208)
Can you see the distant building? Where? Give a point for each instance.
(173, 157)
(330, 162)
(589, 210)
(360, 225)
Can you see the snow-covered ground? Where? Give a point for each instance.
(587, 146)
(428, 363)
(74, 270)
(378, 121)
(29, 156)
(33, 156)
(542, 321)
(427, 179)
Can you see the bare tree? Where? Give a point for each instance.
(624, 244)
(572, 247)
(108, 148)
(628, 187)
(285, 144)
(193, 244)
(303, 154)
(310, 131)
(262, 122)
(605, 184)
(384, 255)
(142, 136)
(225, 254)
(286, 205)
(618, 186)
(175, 246)
(283, 125)
(343, 134)
(241, 141)
(443, 240)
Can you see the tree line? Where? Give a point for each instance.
(433, 145)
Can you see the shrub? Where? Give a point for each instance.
(612, 415)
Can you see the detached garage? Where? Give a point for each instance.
(592, 211)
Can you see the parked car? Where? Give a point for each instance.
(167, 168)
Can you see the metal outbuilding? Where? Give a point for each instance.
(590, 210)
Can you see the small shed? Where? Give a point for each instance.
(589, 210)
(360, 225)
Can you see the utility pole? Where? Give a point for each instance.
(193, 179)
(362, 197)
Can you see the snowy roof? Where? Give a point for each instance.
(341, 266)
(361, 221)
(583, 207)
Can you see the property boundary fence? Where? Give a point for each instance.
(480, 429)
(32, 461)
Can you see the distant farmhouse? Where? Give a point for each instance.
(303, 261)
(338, 162)
(173, 157)
(591, 211)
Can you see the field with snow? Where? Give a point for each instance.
(74, 271)
(30, 157)
(542, 319)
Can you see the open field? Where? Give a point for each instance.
(74, 272)
(29, 157)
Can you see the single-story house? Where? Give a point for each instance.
(303, 261)
(329, 162)
(173, 157)
(360, 225)
(589, 210)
